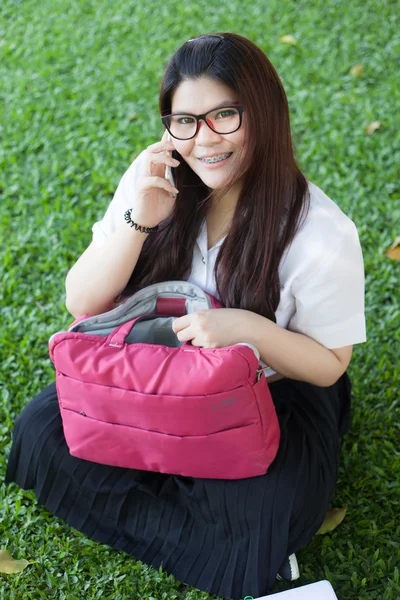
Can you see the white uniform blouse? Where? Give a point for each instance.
(321, 273)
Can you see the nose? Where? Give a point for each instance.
(206, 136)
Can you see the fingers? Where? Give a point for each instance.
(154, 181)
(160, 153)
(185, 335)
(162, 159)
(165, 144)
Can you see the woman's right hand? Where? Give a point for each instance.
(155, 196)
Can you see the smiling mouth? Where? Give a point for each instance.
(215, 159)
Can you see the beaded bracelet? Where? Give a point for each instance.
(128, 219)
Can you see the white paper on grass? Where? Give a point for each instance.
(322, 590)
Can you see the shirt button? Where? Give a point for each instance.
(204, 260)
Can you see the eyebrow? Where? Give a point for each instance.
(220, 105)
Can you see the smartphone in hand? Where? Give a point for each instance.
(168, 171)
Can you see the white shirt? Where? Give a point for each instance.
(321, 273)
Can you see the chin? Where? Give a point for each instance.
(215, 183)
(220, 185)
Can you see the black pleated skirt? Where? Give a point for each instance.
(225, 537)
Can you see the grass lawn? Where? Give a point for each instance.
(79, 85)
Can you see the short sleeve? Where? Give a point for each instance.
(122, 200)
(330, 301)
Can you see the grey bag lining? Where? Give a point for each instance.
(145, 302)
(154, 331)
(149, 330)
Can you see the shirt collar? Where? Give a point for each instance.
(202, 240)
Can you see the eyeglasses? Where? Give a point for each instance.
(223, 120)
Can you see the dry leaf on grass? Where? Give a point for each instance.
(288, 39)
(394, 250)
(333, 518)
(356, 71)
(10, 566)
(372, 127)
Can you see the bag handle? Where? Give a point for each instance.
(116, 339)
(176, 307)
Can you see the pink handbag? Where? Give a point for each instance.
(131, 395)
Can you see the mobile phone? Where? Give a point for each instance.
(168, 171)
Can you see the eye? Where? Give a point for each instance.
(228, 112)
(185, 120)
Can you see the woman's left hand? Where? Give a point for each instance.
(214, 328)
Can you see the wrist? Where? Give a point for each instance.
(147, 230)
(258, 328)
(247, 327)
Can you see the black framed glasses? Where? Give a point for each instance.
(184, 126)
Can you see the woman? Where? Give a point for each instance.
(290, 274)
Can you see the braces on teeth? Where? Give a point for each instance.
(215, 159)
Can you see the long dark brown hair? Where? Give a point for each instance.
(273, 197)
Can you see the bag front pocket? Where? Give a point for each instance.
(217, 436)
(174, 415)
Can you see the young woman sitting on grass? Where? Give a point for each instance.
(244, 224)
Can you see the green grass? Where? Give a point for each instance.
(71, 75)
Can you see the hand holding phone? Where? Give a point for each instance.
(155, 196)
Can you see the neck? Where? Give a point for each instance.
(227, 204)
